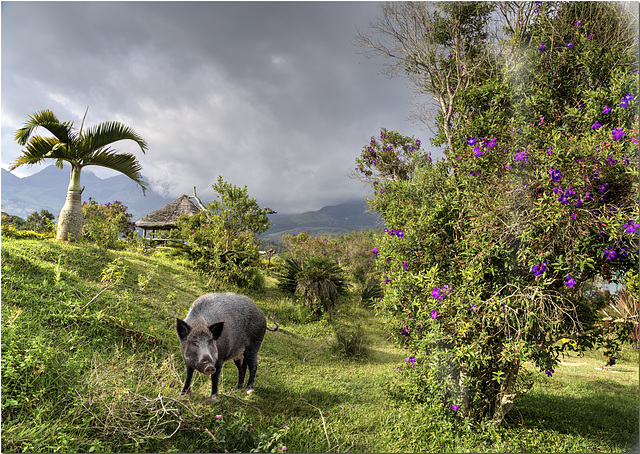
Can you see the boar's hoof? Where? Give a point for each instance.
(184, 393)
(214, 397)
(249, 392)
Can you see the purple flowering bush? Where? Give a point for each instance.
(107, 225)
(500, 244)
(390, 156)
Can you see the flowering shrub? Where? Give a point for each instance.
(502, 236)
(107, 224)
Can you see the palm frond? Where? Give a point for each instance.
(106, 133)
(38, 149)
(47, 120)
(125, 163)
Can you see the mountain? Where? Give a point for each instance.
(47, 189)
(334, 219)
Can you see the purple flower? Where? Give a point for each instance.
(541, 47)
(436, 293)
(625, 100)
(475, 173)
(617, 134)
(555, 175)
(569, 281)
(412, 361)
(400, 233)
(454, 407)
(577, 24)
(606, 109)
(474, 308)
(590, 36)
(471, 140)
(569, 45)
(405, 265)
(611, 161)
(541, 121)
(549, 372)
(374, 250)
(418, 143)
(478, 151)
(610, 254)
(595, 125)
(631, 228)
(434, 314)
(540, 268)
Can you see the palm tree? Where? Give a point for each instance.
(80, 149)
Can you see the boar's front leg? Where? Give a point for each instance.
(187, 383)
(215, 377)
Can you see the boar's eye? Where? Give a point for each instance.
(194, 343)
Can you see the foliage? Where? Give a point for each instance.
(12, 228)
(532, 200)
(87, 384)
(107, 225)
(40, 222)
(223, 242)
(392, 156)
(354, 253)
(318, 281)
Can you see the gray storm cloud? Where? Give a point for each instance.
(273, 96)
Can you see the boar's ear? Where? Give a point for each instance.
(216, 329)
(182, 328)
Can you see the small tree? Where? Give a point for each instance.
(224, 240)
(40, 222)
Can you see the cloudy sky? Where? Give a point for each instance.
(274, 96)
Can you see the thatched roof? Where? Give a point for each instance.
(166, 217)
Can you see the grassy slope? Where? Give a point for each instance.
(106, 377)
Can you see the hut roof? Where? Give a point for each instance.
(166, 217)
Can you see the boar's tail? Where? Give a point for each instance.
(273, 329)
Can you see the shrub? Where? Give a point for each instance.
(106, 224)
(351, 341)
(318, 281)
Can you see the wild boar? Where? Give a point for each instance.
(221, 327)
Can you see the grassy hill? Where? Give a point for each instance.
(91, 363)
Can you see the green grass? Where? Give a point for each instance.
(104, 375)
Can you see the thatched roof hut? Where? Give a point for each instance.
(166, 217)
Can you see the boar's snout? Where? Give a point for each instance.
(209, 369)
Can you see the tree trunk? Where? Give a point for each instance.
(70, 218)
(507, 394)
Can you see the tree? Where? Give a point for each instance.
(223, 241)
(41, 222)
(80, 148)
(489, 253)
(441, 48)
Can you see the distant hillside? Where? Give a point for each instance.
(47, 189)
(335, 219)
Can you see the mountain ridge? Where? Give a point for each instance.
(46, 190)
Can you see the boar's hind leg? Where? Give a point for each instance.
(251, 361)
(187, 382)
(241, 364)
(215, 377)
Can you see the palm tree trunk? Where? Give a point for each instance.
(70, 218)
